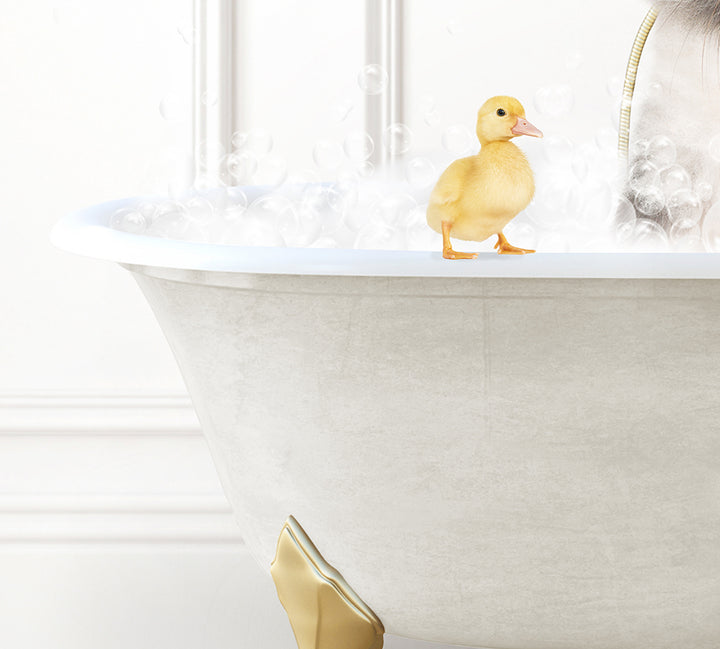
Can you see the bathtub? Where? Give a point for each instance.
(510, 452)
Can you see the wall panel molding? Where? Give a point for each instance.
(102, 468)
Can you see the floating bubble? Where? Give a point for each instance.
(358, 146)
(148, 209)
(209, 153)
(373, 79)
(199, 210)
(172, 108)
(648, 236)
(555, 100)
(458, 140)
(209, 98)
(397, 139)
(420, 172)
(432, 117)
(625, 218)
(454, 28)
(260, 141)
(272, 170)
(711, 229)
(686, 236)
(241, 167)
(365, 169)
(650, 201)
(684, 205)
(187, 33)
(298, 228)
(643, 174)
(327, 154)
(639, 149)
(253, 231)
(342, 196)
(392, 209)
(704, 190)
(558, 149)
(379, 236)
(129, 220)
(206, 182)
(673, 178)
(661, 151)
(170, 222)
(342, 109)
(239, 139)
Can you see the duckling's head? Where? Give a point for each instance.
(501, 119)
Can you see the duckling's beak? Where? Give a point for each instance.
(523, 127)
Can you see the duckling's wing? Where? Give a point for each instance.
(445, 197)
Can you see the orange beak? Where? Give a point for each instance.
(523, 127)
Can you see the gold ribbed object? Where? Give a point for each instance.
(630, 76)
(324, 612)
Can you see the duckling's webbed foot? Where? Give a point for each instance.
(504, 248)
(448, 252)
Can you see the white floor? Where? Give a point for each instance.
(149, 596)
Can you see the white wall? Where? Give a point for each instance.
(114, 531)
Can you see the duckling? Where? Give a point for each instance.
(476, 197)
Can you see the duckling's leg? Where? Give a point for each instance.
(504, 248)
(448, 252)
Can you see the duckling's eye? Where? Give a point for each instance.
(501, 112)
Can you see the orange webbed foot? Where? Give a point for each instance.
(504, 248)
(449, 253)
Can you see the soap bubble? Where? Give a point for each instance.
(597, 211)
(209, 153)
(704, 190)
(397, 139)
(454, 27)
(686, 236)
(241, 166)
(148, 209)
(327, 154)
(673, 178)
(187, 33)
(643, 174)
(650, 201)
(365, 169)
(432, 117)
(358, 146)
(625, 218)
(639, 149)
(170, 222)
(648, 236)
(684, 205)
(711, 229)
(199, 210)
(272, 170)
(204, 182)
(209, 98)
(325, 242)
(714, 147)
(555, 100)
(298, 228)
(239, 139)
(172, 108)
(373, 79)
(458, 140)
(342, 196)
(420, 172)
(342, 109)
(661, 151)
(259, 141)
(253, 231)
(607, 140)
(378, 236)
(558, 149)
(392, 209)
(129, 220)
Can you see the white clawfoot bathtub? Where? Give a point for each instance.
(515, 453)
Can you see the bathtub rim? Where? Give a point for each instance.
(87, 232)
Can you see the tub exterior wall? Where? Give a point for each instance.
(503, 463)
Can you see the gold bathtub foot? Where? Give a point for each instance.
(324, 612)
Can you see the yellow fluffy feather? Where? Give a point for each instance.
(477, 196)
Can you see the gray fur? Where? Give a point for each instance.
(700, 15)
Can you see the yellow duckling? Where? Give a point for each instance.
(478, 196)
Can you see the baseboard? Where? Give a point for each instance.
(103, 468)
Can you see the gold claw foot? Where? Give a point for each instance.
(324, 612)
